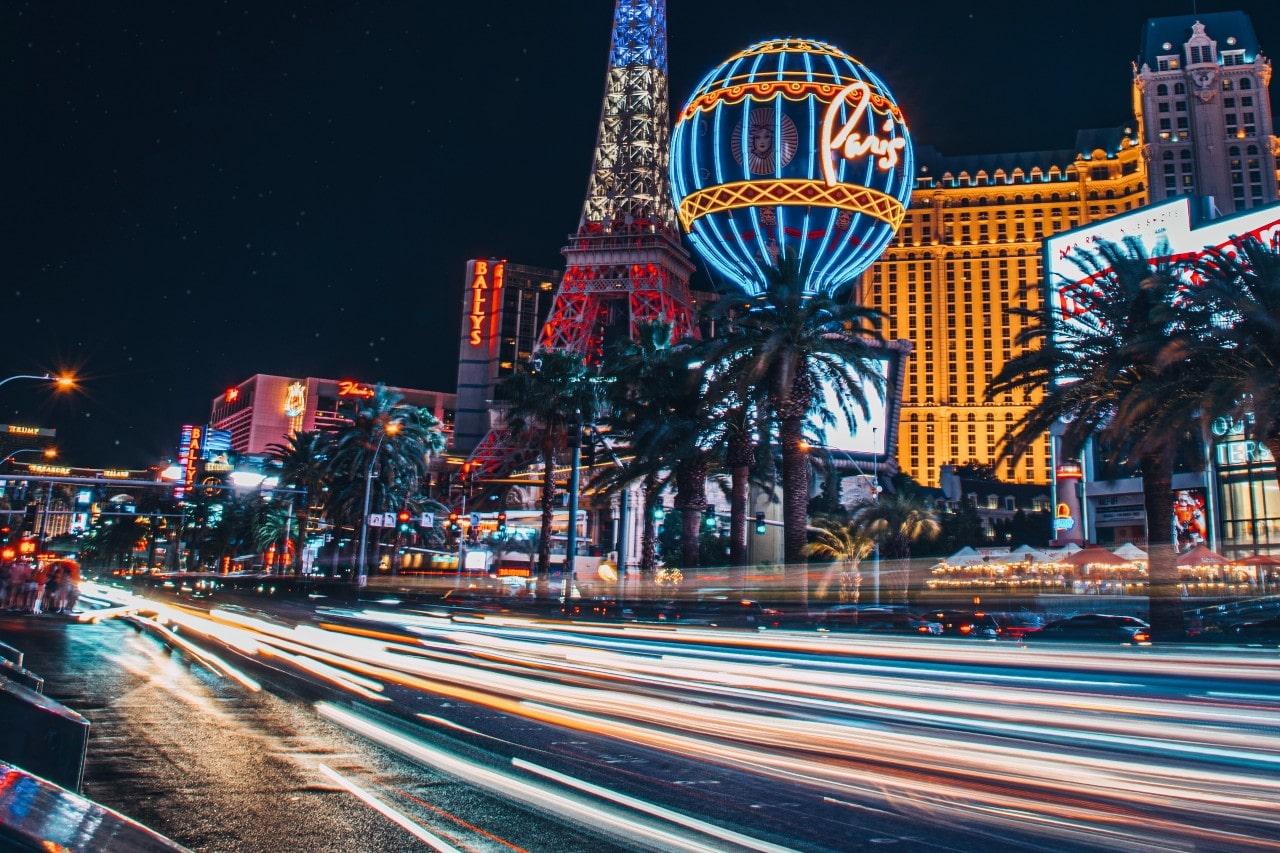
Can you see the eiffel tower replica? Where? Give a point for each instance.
(625, 265)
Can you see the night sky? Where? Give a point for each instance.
(194, 192)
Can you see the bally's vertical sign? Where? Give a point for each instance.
(189, 448)
(482, 303)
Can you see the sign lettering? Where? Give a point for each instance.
(486, 283)
(848, 142)
(350, 388)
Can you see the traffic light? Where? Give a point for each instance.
(453, 522)
(659, 513)
(759, 523)
(403, 516)
(709, 518)
(502, 521)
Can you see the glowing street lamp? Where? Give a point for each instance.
(64, 381)
(49, 453)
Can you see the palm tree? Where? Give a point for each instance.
(547, 397)
(1231, 337)
(1093, 373)
(790, 345)
(304, 461)
(640, 371)
(896, 522)
(845, 546)
(390, 443)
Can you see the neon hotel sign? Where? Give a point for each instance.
(486, 282)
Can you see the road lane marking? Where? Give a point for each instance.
(419, 832)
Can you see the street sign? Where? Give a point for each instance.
(428, 520)
(375, 519)
(388, 519)
(475, 519)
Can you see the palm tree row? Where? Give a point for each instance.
(1157, 351)
(387, 448)
(684, 408)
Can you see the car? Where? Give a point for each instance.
(729, 612)
(654, 611)
(1260, 631)
(591, 608)
(966, 623)
(1016, 626)
(851, 617)
(1096, 628)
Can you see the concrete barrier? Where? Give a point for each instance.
(22, 675)
(36, 814)
(10, 654)
(41, 735)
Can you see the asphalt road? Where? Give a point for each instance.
(494, 733)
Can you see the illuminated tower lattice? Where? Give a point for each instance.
(626, 264)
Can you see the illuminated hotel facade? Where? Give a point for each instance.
(970, 246)
(265, 409)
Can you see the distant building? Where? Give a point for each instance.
(504, 309)
(997, 502)
(265, 409)
(1204, 112)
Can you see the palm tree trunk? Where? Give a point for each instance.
(795, 503)
(1164, 594)
(548, 512)
(649, 532)
(691, 497)
(740, 470)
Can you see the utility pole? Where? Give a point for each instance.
(571, 535)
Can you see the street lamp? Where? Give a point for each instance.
(49, 453)
(64, 381)
(389, 428)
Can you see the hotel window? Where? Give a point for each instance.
(1233, 57)
(1233, 124)
(1163, 107)
(1181, 106)
(1229, 103)
(1167, 63)
(1182, 123)
(1228, 84)
(1162, 90)
(1201, 53)
(1179, 88)
(1246, 101)
(1246, 83)
(1166, 124)
(1250, 127)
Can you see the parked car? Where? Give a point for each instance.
(591, 608)
(1016, 626)
(1096, 628)
(966, 623)
(852, 617)
(729, 612)
(1260, 631)
(655, 611)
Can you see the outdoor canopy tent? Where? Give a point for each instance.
(1201, 556)
(1095, 556)
(1130, 552)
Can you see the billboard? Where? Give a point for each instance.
(874, 436)
(1190, 519)
(1166, 230)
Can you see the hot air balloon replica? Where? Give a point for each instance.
(791, 146)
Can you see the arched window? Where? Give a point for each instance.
(1252, 149)
(1168, 155)
(1246, 82)
(1234, 150)
(1162, 90)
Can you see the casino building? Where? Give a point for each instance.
(971, 243)
(265, 409)
(504, 308)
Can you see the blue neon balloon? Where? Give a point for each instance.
(791, 146)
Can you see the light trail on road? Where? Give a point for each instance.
(1134, 749)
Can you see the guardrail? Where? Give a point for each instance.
(36, 814)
